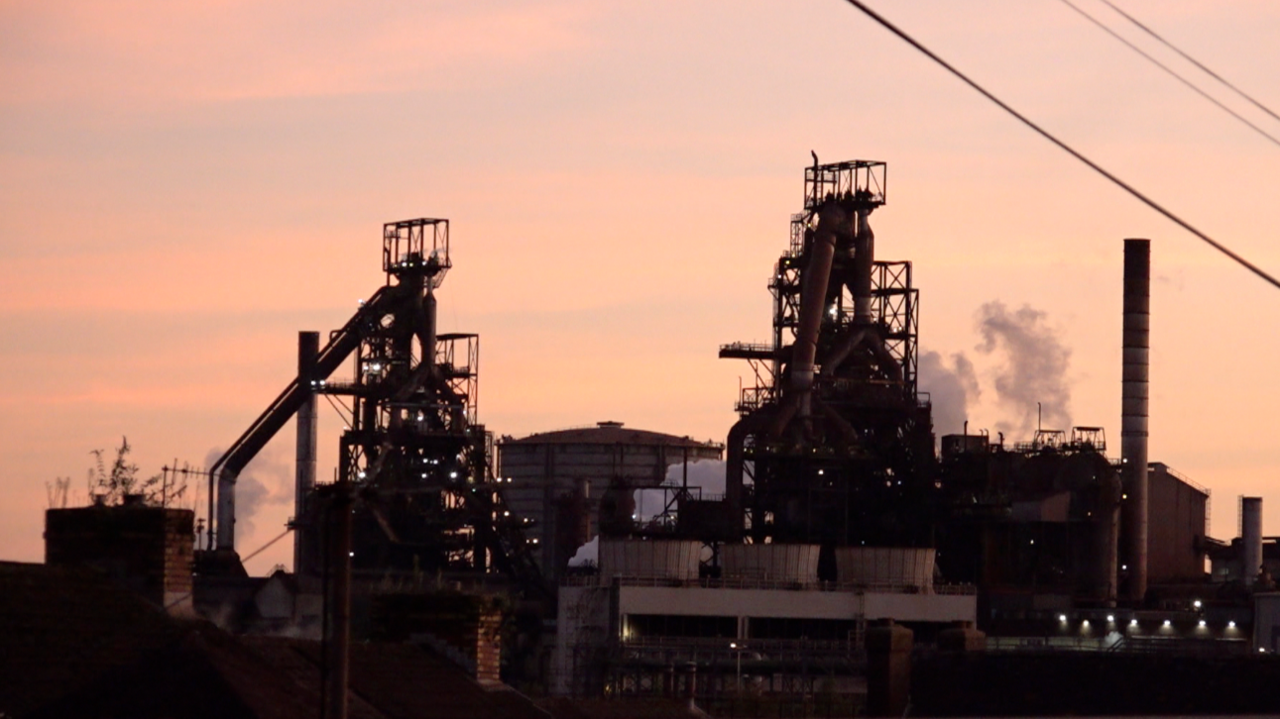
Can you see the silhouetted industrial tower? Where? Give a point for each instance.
(836, 444)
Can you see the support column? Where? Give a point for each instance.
(888, 669)
(339, 600)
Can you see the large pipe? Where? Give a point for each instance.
(427, 332)
(227, 509)
(1133, 421)
(813, 299)
(1250, 538)
(271, 421)
(305, 458)
(864, 252)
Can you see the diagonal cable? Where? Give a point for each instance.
(1173, 73)
(338, 408)
(1190, 59)
(1064, 146)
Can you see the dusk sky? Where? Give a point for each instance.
(185, 186)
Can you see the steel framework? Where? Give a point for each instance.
(833, 434)
(414, 462)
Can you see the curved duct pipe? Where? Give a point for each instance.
(427, 330)
(841, 353)
(412, 313)
(846, 430)
(884, 359)
(813, 299)
(864, 251)
(272, 420)
(786, 410)
(887, 361)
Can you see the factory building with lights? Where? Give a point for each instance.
(848, 542)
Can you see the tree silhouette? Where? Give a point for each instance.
(112, 486)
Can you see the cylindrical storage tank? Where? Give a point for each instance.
(649, 559)
(601, 465)
(1250, 538)
(896, 569)
(790, 563)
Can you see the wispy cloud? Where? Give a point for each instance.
(154, 53)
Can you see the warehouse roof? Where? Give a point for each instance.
(610, 432)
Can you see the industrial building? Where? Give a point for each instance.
(766, 619)
(842, 514)
(568, 483)
(838, 511)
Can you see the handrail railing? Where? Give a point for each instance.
(588, 580)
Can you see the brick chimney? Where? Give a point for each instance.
(466, 629)
(148, 550)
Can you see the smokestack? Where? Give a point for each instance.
(863, 258)
(1250, 538)
(1133, 422)
(226, 509)
(305, 467)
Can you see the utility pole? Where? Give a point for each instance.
(338, 660)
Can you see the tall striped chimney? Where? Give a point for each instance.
(1133, 422)
(305, 467)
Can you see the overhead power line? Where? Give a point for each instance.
(1064, 146)
(264, 547)
(1195, 88)
(251, 555)
(1190, 59)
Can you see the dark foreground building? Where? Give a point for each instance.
(76, 644)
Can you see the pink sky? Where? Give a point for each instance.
(182, 189)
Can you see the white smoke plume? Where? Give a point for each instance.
(1034, 368)
(951, 389)
(587, 553)
(706, 475)
(266, 482)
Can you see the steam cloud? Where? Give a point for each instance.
(587, 553)
(1034, 370)
(951, 388)
(266, 481)
(707, 474)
